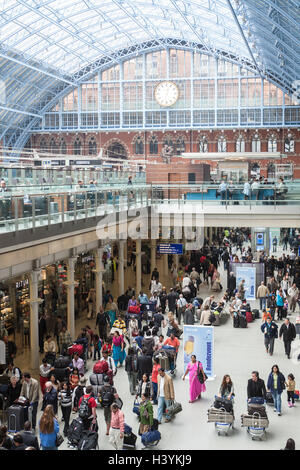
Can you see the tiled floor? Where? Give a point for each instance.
(237, 352)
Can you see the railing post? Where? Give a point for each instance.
(16, 213)
(49, 213)
(33, 212)
(62, 199)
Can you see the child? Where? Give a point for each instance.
(290, 384)
(97, 346)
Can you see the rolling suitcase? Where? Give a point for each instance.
(164, 362)
(256, 313)
(15, 418)
(236, 321)
(249, 318)
(129, 438)
(243, 321)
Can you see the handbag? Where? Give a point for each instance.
(202, 377)
(59, 440)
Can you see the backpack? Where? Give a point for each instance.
(107, 397)
(84, 411)
(75, 431)
(212, 318)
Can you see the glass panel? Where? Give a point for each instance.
(204, 93)
(70, 102)
(110, 96)
(156, 64)
(111, 74)
(180, 63)
(89, 97)
(251, 92)
(273, 96)
(228, 93)
(133, 96)
(133, 68)
(204, 65)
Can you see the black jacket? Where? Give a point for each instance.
(144, 365)
(231, 282)
(256, 389)
(50, 398)
(13, 393)
(189, 317)
(30, 440)
(289, 334)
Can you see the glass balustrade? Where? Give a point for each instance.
(30, 208)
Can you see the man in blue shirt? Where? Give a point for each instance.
(270, 330)
(223, 190)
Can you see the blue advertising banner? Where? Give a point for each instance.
(199, 340)
(249, 274)
(170, 248)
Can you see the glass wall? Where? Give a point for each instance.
(212, 92)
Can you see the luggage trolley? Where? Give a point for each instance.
(223, 420)
(256, 426)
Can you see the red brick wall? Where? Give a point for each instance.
(191, 139)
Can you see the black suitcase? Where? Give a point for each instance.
(61, 362)
(253, 408)
(129, 441)
(256, 313)
(243, 321)
(269, 398)
(236, 321)
(88, 441)
(223, 403)
(75, 431)
(15, 418)
(155, 424)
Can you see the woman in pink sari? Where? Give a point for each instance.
(196, 388)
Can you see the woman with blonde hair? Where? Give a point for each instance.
(49, 428)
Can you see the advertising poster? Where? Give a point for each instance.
(249, 274)
(199, 340)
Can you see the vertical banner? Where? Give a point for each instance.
(249, 274)
(199, 340)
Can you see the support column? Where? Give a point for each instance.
(99, 277)
(153, 254)
(70, 295)
(121, 267)
(165, 265)
(138, 266)
(34, 302)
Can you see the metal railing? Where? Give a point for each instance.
(36, 207)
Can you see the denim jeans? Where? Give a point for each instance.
(154, 385)
(162, 402)
(277, 400)
(262, 303)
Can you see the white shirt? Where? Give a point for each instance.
(185, 281)
(161, 388)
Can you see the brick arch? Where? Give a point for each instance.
(115, 141)
(150, 136)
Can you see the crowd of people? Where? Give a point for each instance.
(133, 331)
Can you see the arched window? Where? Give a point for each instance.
(255, 145)
(203, 144)
(153, 145)
(43, 145)
(272, 143)
(139, 146)
(116, 150)
(180, 146)
(240, 144)
(53, 146)
(92, 146)
(63, 147)
(77, 146)
(289, 144)
(222, 144)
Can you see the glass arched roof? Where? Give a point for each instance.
(47, 46)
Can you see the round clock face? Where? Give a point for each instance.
(166, 93)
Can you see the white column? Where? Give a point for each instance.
(121, 267)
(165, 265)
(34, 302)
(153, 254)
(138, 266)
(70, 295)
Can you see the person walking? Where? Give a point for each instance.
(118, 349)
(256, 387)
(131, 367)
(165, 393)
(30, 390)
(155, 369)
(117, 425)
(65, 397)
(279, 303)
(290, 388)
(270, 331)
(276, 385)
(181, 306)
(197, 386)
(293, 293)
(262, 294)
(49, 428)
(288, 333)
(146, 413)
(102, 320)
(107, 397)
(50, 397)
